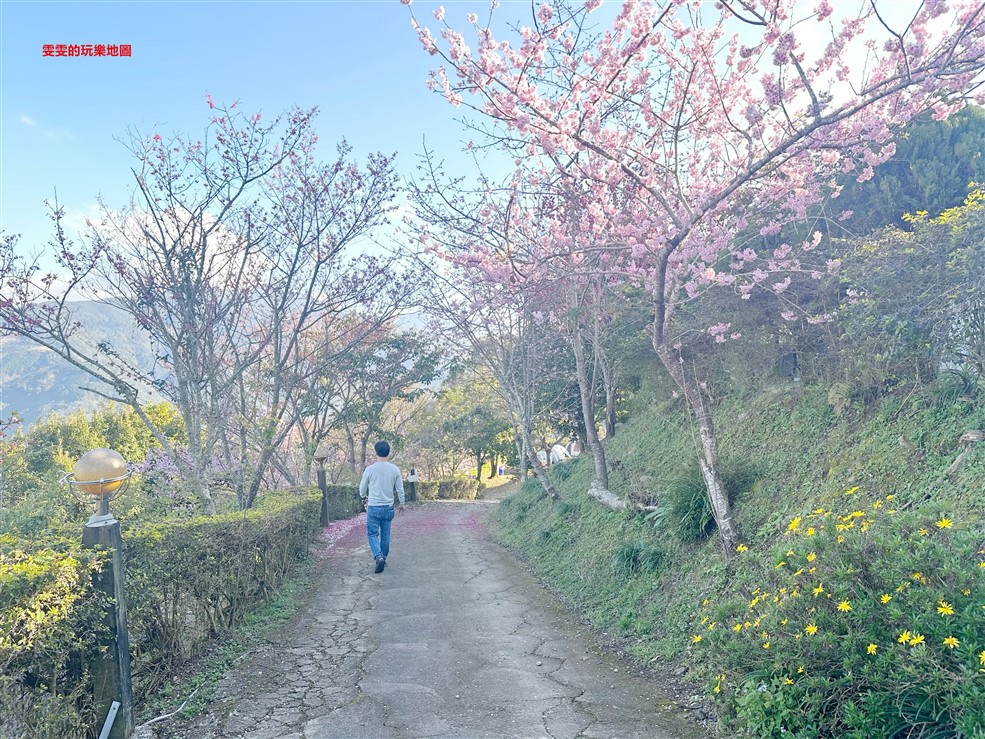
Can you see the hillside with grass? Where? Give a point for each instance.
(854, 607)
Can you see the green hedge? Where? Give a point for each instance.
(343, 501)
(186, 582)
(453, 489)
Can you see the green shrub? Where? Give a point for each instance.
(684, 505)
(343, 501)
(457, 488)
(632, 558)
(690, 515)
(187, 581)
(865, 624)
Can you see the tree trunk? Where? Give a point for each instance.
(539, 470)
(718, 500)
(587, 392)
(521, 457)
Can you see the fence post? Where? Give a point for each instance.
(111, 670)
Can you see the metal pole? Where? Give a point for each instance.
(111, 669)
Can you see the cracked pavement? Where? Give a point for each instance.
(453, 639)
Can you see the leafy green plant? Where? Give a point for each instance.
(863, 624)
(632, 558)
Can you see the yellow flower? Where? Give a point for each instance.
(851, 491)
(799, 572)
(981, 658)
(779, 564)
(818, 590)
(812, 556)
(766, 645)
(916, 639)
(924, 532)
(944, 608)
(741, 548)
(800, 670)
(944, 523)
(904, 637)
(811, 629)
(886, 597)
(950, 642)
(737, 628)
(844, 606)
(981, 564)
(877, 504)
(810, 531)
(840, 538)
(696, 638)
(788, 681)
(794, 524)
(783, 622)
(966, 591)
(790, 552)
(871, 649)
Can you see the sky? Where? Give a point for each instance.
(358, 61)
(62, 118)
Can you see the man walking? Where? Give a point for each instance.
(380, 481)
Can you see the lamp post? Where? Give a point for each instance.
(103, 474)
(321, 454)
(412, 486)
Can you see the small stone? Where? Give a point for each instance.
(539, 663)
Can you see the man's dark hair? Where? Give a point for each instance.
(382, 449)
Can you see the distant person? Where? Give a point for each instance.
(542, 457)
(380, 481)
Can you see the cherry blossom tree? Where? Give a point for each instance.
(230, 249)
(686, 123)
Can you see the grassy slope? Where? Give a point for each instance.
(627, 575)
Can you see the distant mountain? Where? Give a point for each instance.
(35, 382)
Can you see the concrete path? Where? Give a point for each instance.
(452, 640)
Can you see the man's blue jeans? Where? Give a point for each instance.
(378, 518)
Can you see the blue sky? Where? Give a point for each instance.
(359, 61)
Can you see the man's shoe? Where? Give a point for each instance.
(380, 564)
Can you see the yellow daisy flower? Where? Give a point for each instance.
(871, 649)
(951, 642)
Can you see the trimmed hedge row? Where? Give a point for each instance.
(453, 489)
(343, 501)
(187, 581)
